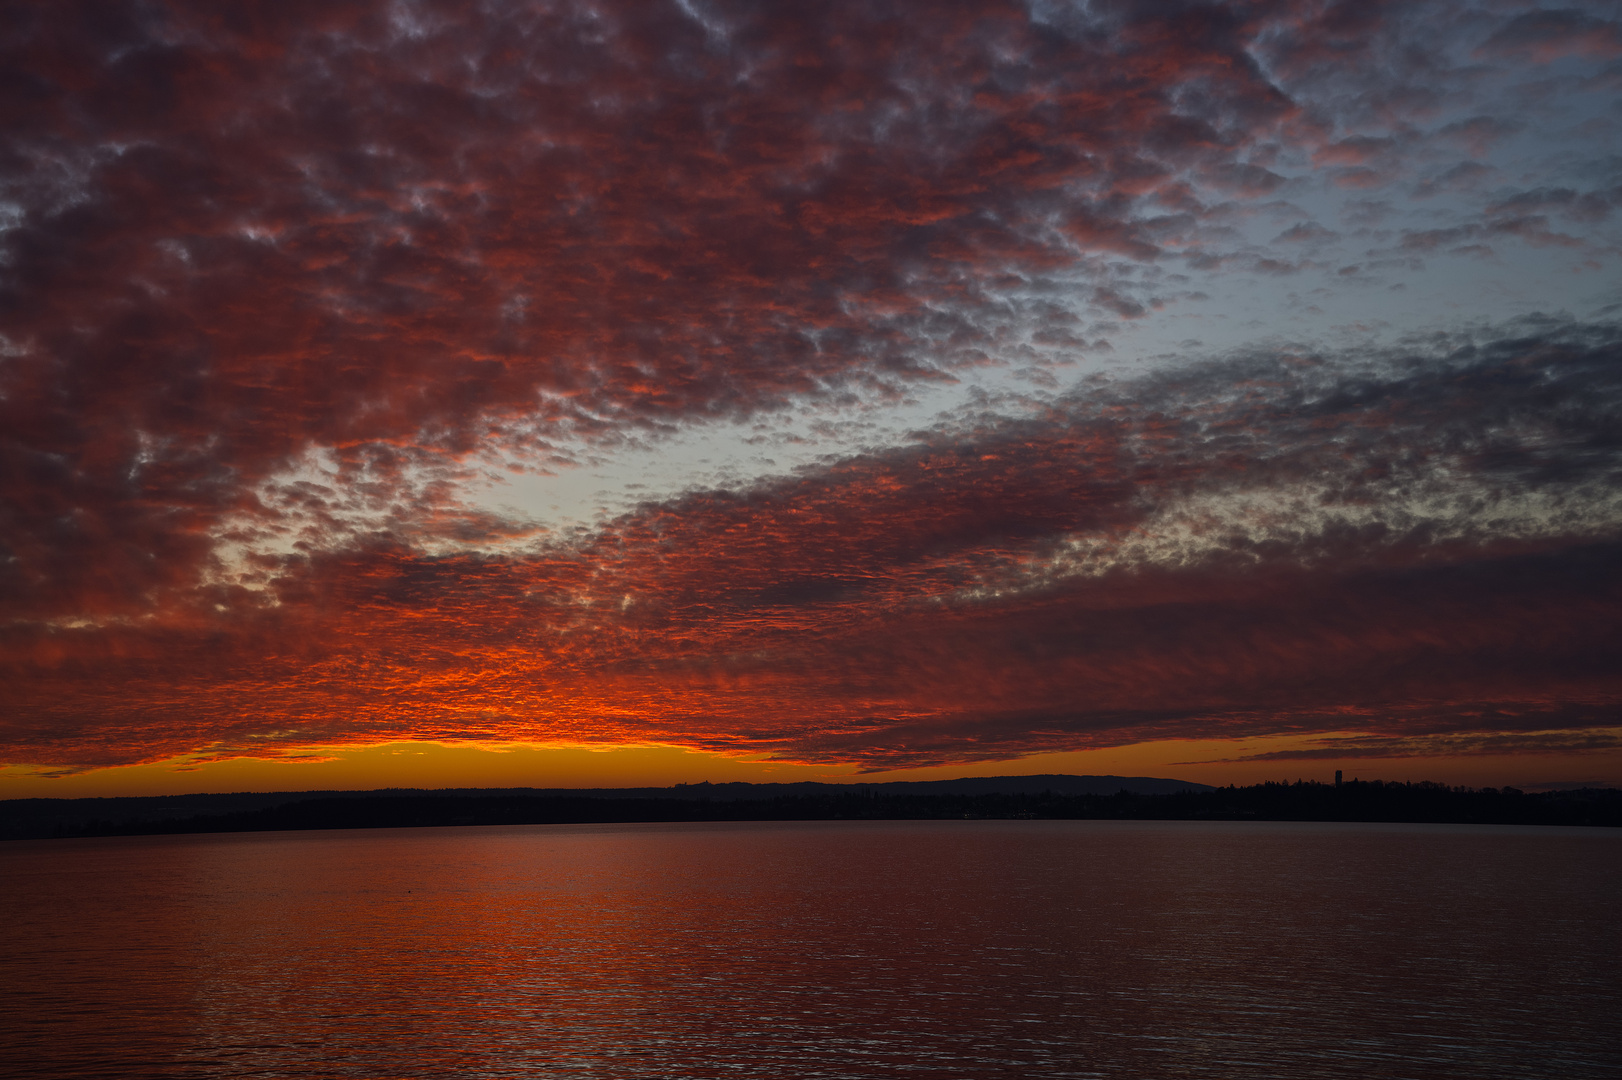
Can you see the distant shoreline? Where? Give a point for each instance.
(1362, 801)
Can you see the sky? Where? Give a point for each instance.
(499, 393)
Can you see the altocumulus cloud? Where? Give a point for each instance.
(1412, 542)
(415, 240)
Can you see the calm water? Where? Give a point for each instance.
(841, 949)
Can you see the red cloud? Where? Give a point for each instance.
(977, 595)
(238, 237)
(243, 237)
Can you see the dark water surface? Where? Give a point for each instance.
(839, 949)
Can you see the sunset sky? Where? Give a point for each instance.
(500, 393)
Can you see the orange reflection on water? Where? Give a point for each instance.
(942, 949)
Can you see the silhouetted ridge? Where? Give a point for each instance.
(48, 817)
(1309, 801)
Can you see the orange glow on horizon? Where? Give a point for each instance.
(438, 765)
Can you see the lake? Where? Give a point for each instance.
(938, 949)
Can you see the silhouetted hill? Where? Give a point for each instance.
(1043, 797)
(54, 817)
(1057, 783)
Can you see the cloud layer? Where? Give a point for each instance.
(414, 241)
(1405, 542)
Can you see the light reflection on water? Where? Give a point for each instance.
(839, 949)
